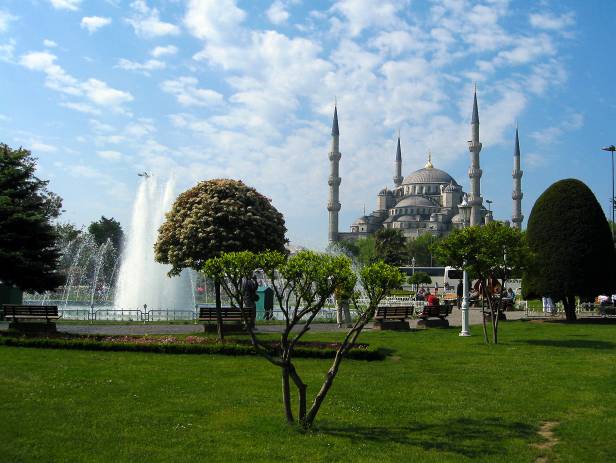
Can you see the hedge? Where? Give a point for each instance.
(367, 353)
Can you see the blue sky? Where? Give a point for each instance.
(198, 89)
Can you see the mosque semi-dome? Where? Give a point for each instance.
(414, 201)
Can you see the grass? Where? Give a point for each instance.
(437, 398)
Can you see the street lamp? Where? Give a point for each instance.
(465, 212)
(611, 148)
(489, 201)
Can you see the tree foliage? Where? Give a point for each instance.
(570, 238)
(491, 253)
(421, 248)
(390, 246)
(302, 284)
(419, 278)
(217, 216)
(107, 229)
(28, 249)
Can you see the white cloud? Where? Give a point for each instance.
(38, 146)
(7, 50)
(146, 22)
(81, 107)
(49, 43)
(549, 135)
(100, 93)
(96, 91)
(159, 51)
(188, 94)
(149, 65)
(94, 23)
(71, 5)
(110, 155)
(364, 14)
(549, 21)
(214, 20)
(277, 13)
(5, 20)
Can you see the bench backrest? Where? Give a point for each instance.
(392, 312)
(42, 311)
(227, 313)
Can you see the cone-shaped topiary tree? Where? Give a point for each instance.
(572, 246)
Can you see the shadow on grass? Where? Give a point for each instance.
(575, 343)
(464, 436)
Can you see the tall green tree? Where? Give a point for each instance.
(390, 246)
(29, 252)
(107, 229)
(492, 253)
(572, 243)
(214, 217)
(421, 248)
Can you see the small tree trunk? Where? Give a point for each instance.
(301, 392)
(483, 318)
(221, 334)
(286, 395)
(569, 305)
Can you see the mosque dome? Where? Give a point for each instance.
(429, 175)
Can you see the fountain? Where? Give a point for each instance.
(141, 280)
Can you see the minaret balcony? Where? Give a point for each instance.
(517, 218)
(517, 195)
(333, 207)
(334, 156)
(474, 146)
(334, 181)
(474, 172)
(517, 173)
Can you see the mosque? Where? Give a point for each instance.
(427, 201)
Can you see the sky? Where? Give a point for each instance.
(100, 90)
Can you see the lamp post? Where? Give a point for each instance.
(611, 148)
(465, 212)
(489, 201)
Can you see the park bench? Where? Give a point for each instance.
(392, 317)
(231, 317)
(438, 311)
(29, 317)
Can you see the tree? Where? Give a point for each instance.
(419, 278)
(421, 248)
(66, 232)
(492, 253)
(361, 251)
(107, 229)
(302, 283)
(390, 246)
(214, 217)
(28, 249)
(572, 243)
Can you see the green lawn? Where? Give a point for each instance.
(437, 398)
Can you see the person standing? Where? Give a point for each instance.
(459, 293)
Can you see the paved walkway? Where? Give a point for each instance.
(455, 319)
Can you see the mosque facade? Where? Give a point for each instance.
(428, 200)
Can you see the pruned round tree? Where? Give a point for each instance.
(572, 246)
(217, 216)
(29, 255)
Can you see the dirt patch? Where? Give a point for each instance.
(546, 430)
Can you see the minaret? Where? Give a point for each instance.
(517, 194)
(333, 206)
(398, 165)
(474, 172)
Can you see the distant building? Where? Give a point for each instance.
(425, 201)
